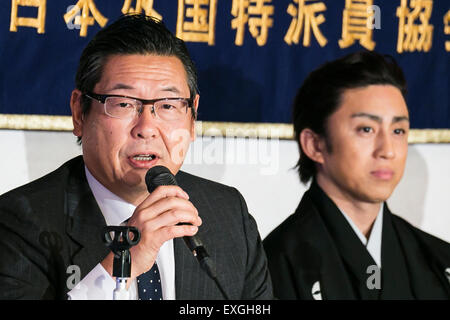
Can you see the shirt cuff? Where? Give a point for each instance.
(97, 285)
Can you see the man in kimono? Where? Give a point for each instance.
(351, 124)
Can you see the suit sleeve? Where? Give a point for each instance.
(23, 266)
(258, 284)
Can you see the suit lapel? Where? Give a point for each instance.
(85, 222)
(192, 282)
(185, 265)
(185, 286)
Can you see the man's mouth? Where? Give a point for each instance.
(383, 174)
(144, 157)
(143, 160)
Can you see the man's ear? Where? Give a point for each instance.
(77, 112)
(313, 145)
(195, 107)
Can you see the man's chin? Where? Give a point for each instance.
(378, 197)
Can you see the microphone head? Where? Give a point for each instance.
(159, 176)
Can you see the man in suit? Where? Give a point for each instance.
(351, 124)
(134, 107)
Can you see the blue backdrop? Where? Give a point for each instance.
(251, 82)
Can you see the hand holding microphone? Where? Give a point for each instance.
(165, 214)
(161, 176)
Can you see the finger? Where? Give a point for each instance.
(162, 192)
(173, 217)
(143, 214)
(179, 231)
(167, 219)
(170, 232)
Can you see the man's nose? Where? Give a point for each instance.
(145, 124)
(384, 145)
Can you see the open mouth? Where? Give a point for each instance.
(144, 157)
(143, 160)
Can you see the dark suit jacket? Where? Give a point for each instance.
(54, 222)
(316, 250)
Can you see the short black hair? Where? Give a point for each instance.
(131, 34)
(320, 94)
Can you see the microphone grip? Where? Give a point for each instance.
(193, 242)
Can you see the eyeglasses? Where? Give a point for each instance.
(123, 107)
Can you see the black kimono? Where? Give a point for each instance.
(315, 254)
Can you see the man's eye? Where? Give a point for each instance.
(399, 131)
(167, 106)
(365, 129)
(124, 105)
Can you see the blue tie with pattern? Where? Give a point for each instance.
(149, 284)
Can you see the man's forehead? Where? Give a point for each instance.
(122, 71)
(142, 62)
(375, 102)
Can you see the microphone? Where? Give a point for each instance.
(161, 176)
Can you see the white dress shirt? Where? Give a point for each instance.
(373, 244)
(98, 284)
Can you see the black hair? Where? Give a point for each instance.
(131, 34)
(320, 94)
